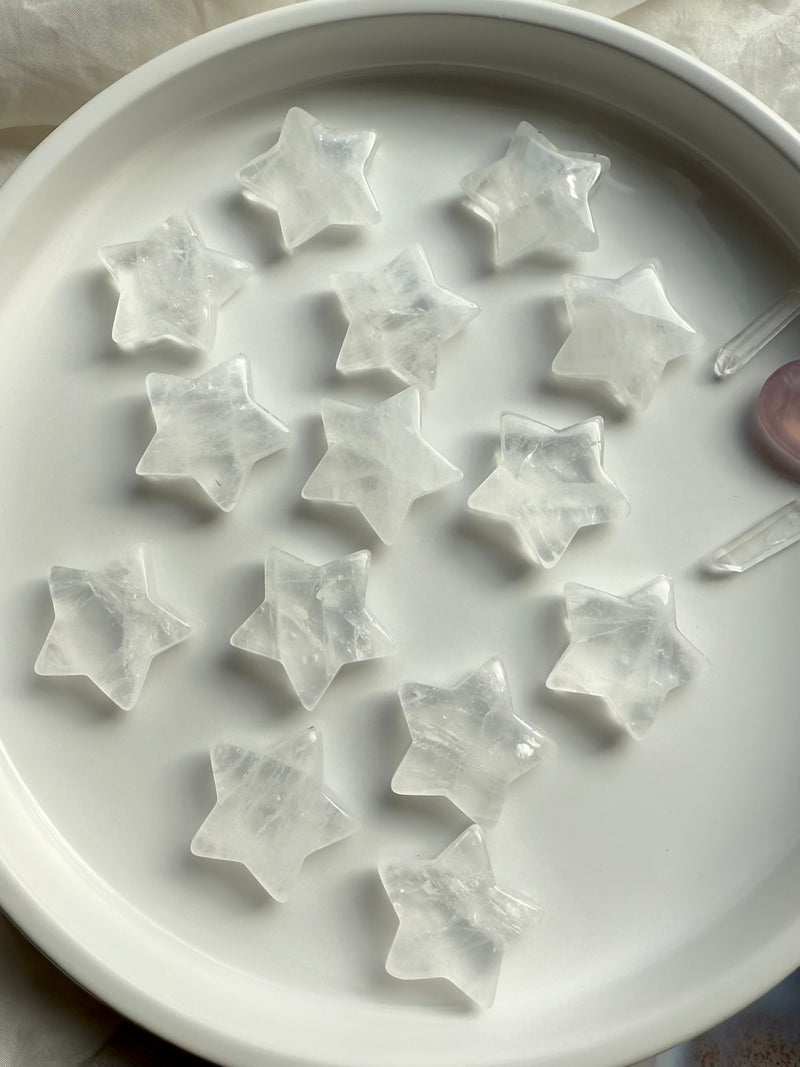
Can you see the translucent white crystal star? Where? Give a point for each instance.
(627, 650)
(171, 285)
(108, 626)
(549, 483)
(209, 428)
(378, 461)
(454, 921)
(399, 318)
(536, 196)
(623, 333)
(466, 743)
(314, 177)
(272, 810)
(313, 620)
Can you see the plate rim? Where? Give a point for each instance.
(754, 973)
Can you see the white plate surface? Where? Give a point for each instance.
(669, 869)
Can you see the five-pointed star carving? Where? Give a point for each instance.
(378, 461)
(454, 921)
(627, 650)
(171, 285)
(313, 620)
(399, 318)
(314, 177)
(108, 626)
(467, 743)
(209, 428)
(536, 196)
(623, 333)
(272, 810)
(550, 483)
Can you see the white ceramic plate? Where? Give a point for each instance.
(668, 869)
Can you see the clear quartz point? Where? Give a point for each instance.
(769, 535)
(738, 352)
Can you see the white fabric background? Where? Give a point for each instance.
(55, 55)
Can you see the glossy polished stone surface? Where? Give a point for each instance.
(313, 620)
(272, 810)
(210, 429)
(627, 650)
(108, 626)
(623, 333)
(171, 286)
(314, 177)
(549, 484)
(770, 535)
(455, 922)
(399, 318)
(536, 197)
(466, 743)
(779, 408)
(378, 461)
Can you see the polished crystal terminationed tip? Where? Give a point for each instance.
(623, 332)
(455, 923)
(627, 650)
(210, 429)
(738, 352)
(763, 539)
(272, 810)
(399, 318)
(378, 461)
(549, 484)
(313, 620)
(314, 177)
(171, 285)
(108, 626)
(466, 743)
(536, 196)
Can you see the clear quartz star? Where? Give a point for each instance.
(108, 626)
(378, 461)
(549, 483)
(272, 810)
(536, 196)
(399, 318)
(171, 285)
(627, 650)
(314, 177)
(313, 620)
(467, 743)
(623, 333)
(455, 922)
(209, 428)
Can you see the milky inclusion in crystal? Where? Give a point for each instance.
(627, 650)
(171, 285)
(314, 177)
(455, 922)
(272, 810)
(313, 620)
(466, 743)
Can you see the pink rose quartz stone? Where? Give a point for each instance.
(779, 408)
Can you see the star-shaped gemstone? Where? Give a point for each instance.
(313, 620)
(209, 428)
(171, 285)
(399, 318)
(536, 196)
(549, 483)
(466, 743)
(272, 810)
(454, 921)
(108, 626)
(627, 650)
(623, 333)
(378, 461)
(314, 177)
